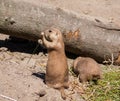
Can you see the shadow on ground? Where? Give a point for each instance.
(25, 46)
(40, 75)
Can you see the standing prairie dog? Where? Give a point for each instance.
(57, 67)
(87, 69)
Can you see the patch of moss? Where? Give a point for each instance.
(107, 89)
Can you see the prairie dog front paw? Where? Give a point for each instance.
(42, 33)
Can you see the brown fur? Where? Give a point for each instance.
(57, 68)
(117, 62)
(87, 69)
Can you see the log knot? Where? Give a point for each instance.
(10, 20)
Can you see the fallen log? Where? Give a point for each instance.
(83, 35)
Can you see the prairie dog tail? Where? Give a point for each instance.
(63, 95)
(61, 88)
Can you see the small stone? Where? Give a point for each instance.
(86, 12)
(3, 49)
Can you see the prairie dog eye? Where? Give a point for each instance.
(50, 31)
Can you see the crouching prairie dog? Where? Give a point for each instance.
(87, 69)
(57, 67)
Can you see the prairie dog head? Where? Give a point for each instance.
(87, 69)
(52, 34)
(76, 61)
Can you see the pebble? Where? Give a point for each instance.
(3, 49)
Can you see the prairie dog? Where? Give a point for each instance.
(117, 62)
(57, 67)
(87, 69)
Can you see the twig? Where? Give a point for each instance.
(33, 52)
(112, 59)
(103, 26)
(91, 95)
(6, 97)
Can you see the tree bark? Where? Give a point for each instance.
(83, 35)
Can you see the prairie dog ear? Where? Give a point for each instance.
(58, 33)
(50, 31)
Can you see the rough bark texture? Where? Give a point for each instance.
(83, 35)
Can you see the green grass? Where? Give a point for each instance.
(107, 89)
